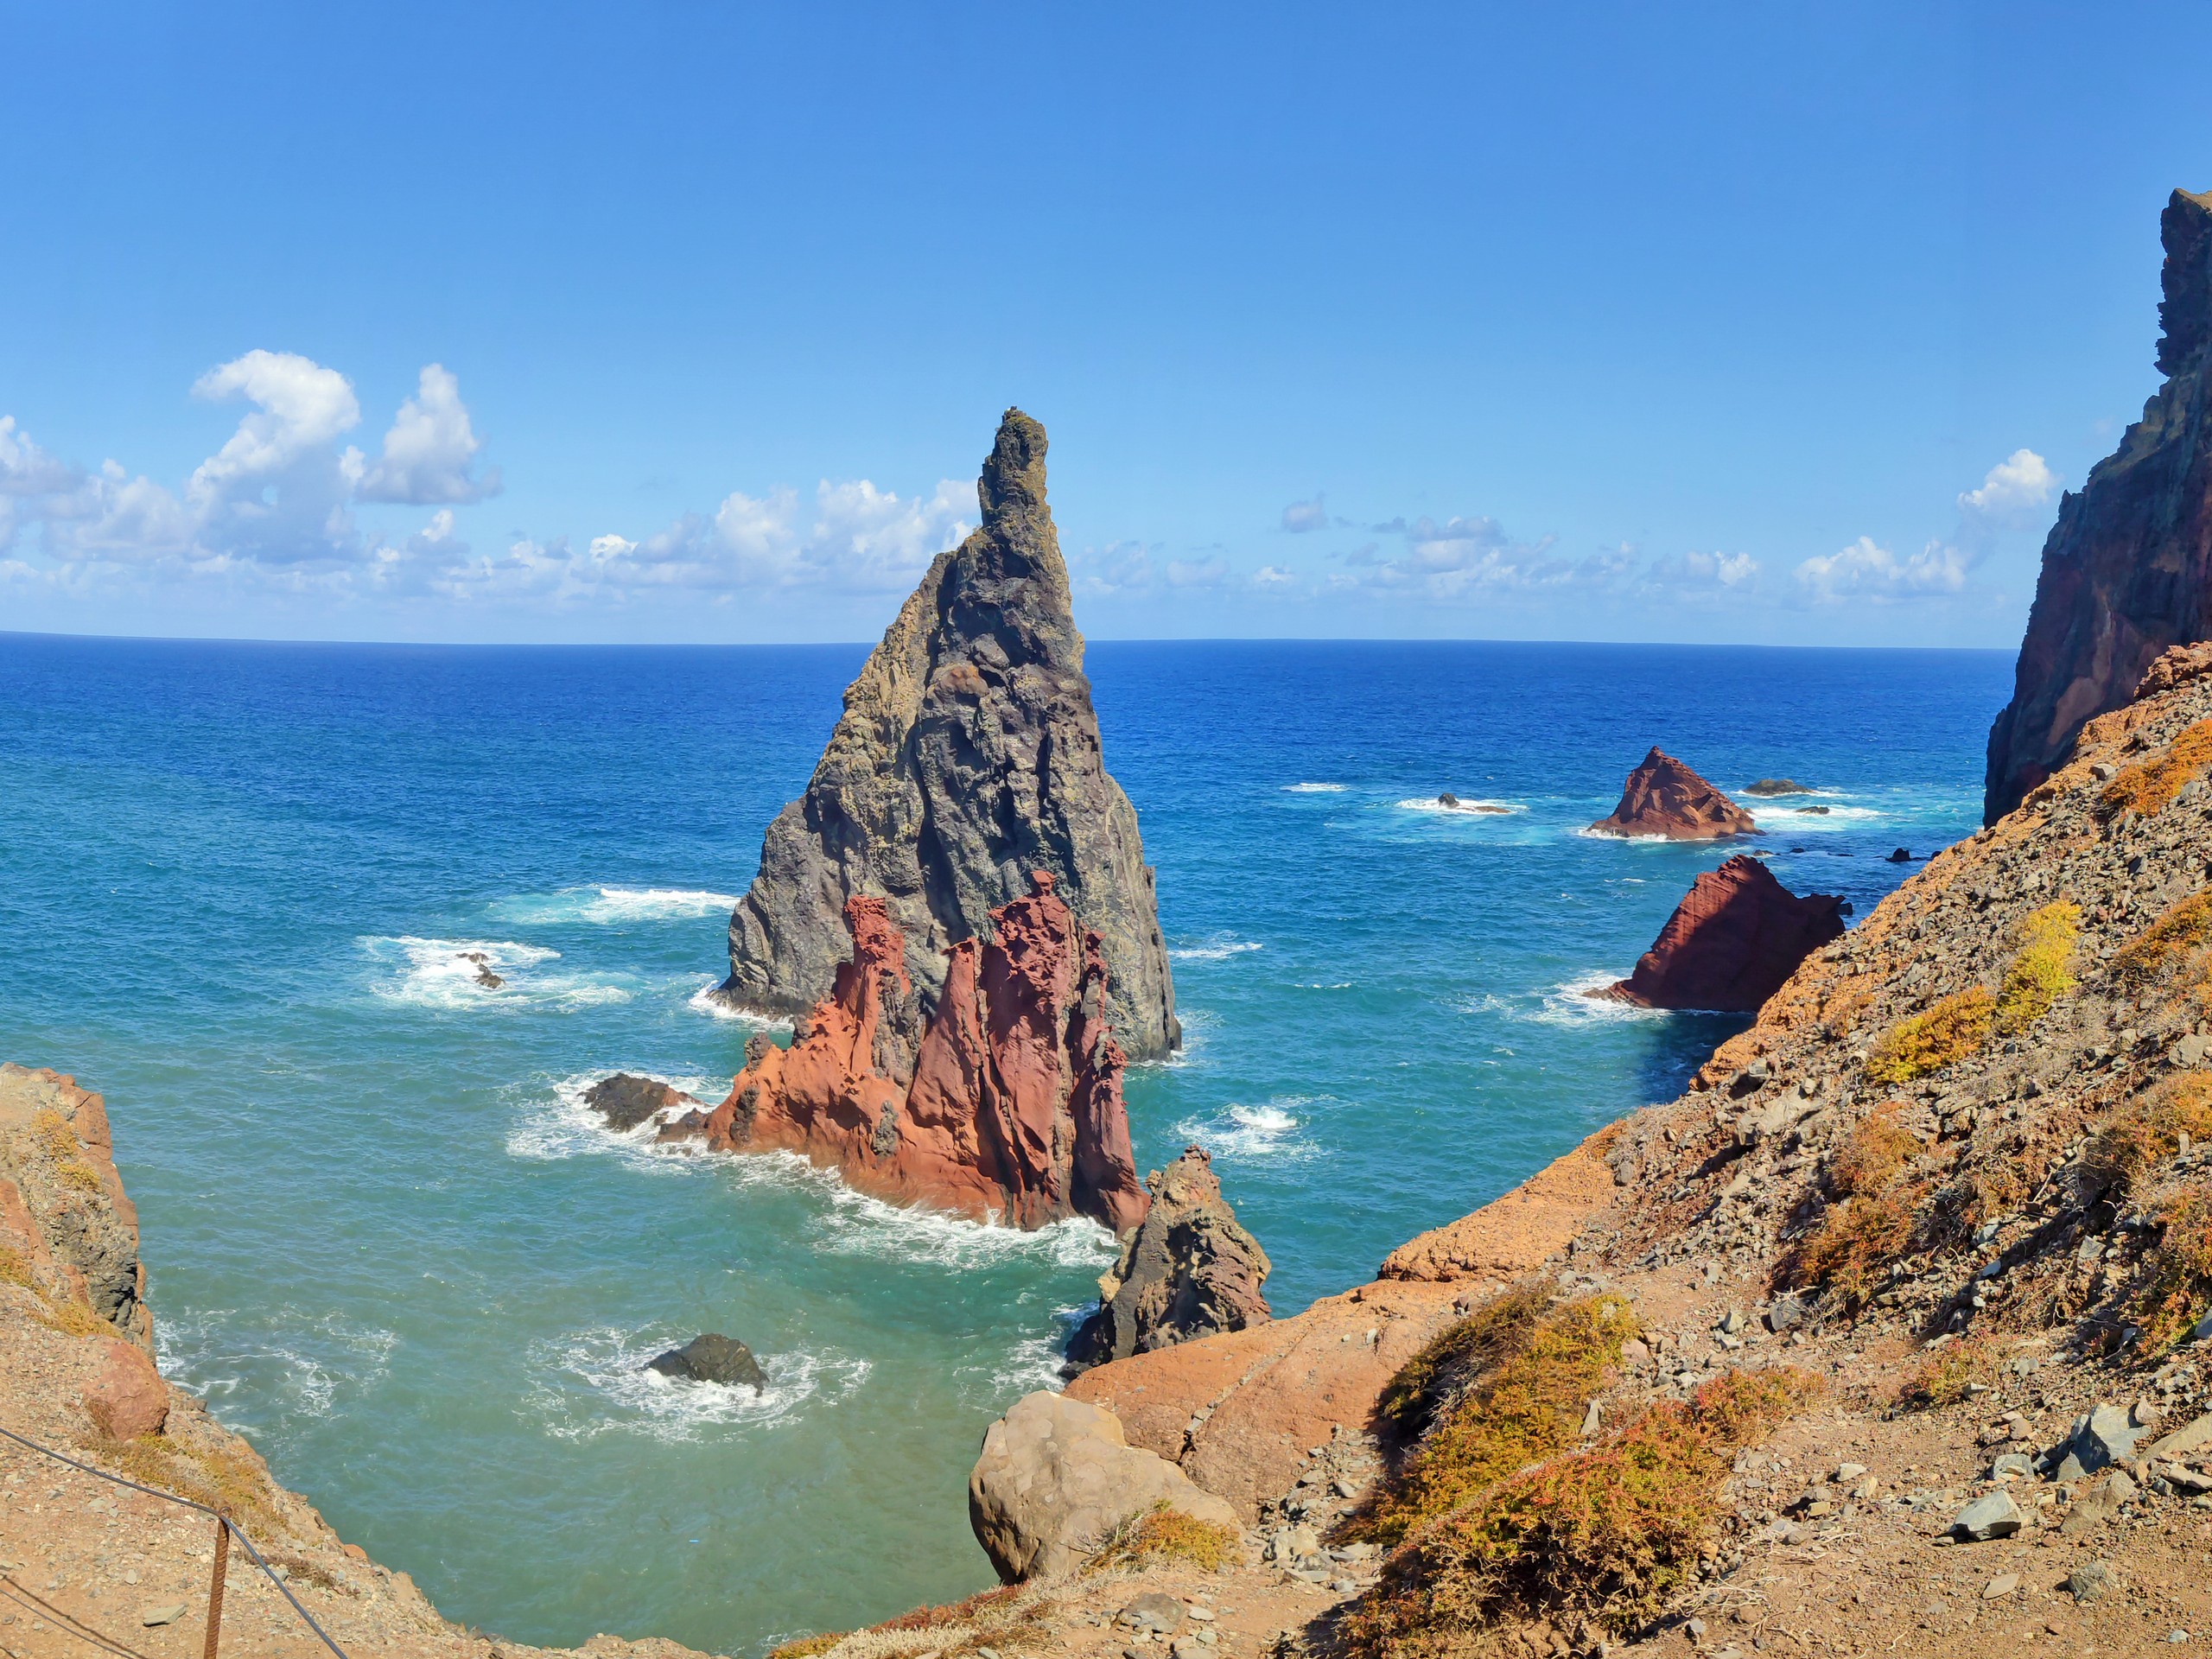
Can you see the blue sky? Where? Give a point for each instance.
(690, 323)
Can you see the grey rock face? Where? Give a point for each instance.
(1994, 1517)
(968, 755)
(712, 1358)
(1189, 1270)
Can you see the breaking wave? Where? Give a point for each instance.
(445, 974)
(1466, 808)
(1267, 1131)
(1219, 948)
(556, 1123)
(612, 904)
(1313, 789)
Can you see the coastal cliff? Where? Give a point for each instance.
(2127, 568)
(1738, 934)
(1005, 1105)
(968, 755)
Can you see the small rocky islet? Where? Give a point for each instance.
(1886, 1336)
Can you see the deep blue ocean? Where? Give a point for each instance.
(386, 1243)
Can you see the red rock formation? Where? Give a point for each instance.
(2127, 568)
(1009, 1106)
(1664, 797)
(1731, 943)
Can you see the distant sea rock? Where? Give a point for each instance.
(968, 755)
(2127, 568)
(1008, 1104)
(1777, 786)
(711, 1357)
(1191, 1270)
(1664, 797)
(1731, 942)
(626, 1100)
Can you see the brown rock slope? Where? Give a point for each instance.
(1664, 797)
(968, 755)
(1736, 937)
(2127, 568)
(1887, 1327)
(1009, 1106)
(86, 1567)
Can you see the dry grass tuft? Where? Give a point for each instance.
(227, 1483)
(1524, 1401)
(2177, 1290)
(1874, 1154)
(2042, 969)
(1605, 1536)
(1946, 1376)
(2148, 1130)
(14, 1270)
(1850, 1255)
(807, 1646)
(2151, 785)
(1951, 1030)
(1441, 1371)
(1165, 1533)
(2183, 928)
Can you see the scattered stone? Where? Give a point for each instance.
(2013, 1465)
(167, 1613)
(1785, 1313)
(1154, 1612)
(1995, 1516)
(2001, 1587)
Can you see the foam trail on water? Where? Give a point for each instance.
(1313, 789)
(555, 1124)
(273, 1363)
(1267, 1132)
(592, 1383)
(606, 906)
(444, 974)
(1467, 808)
(704, 1001)
(1219, 948)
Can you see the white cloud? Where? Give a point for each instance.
(1273, 578)
(1302, 516)
(1721, 572)
(429, 450)
(1118, 567)
(26, 469)
(1197, 572)
(276, 492)
(1865, 570)
(2013, 491)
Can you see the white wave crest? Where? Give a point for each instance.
(618, 1395)
(1263, 1132)
(446, 974)
(1466, 808)
(1219, 948)
(612, 904)
(274, 1363)
(1570, 1004)
(704, 1001)
(1313, 789)
(1790, 820)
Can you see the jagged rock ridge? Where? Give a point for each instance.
(968, 755)
(1007, 1104)
(2127, 568)
(1731, 944)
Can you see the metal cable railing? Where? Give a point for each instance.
(225, 1529)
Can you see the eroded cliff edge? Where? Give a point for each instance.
(968, 755)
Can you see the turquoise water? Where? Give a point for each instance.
(386, 1243)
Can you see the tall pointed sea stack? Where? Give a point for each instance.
(968, 756)
(2127, 569)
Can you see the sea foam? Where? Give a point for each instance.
(1267, 1132)
(612, 906)
(1219, 948)
(1313, 789)
(617, 1394)
(441, 973)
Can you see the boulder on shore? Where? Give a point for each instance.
(712, 1358)
(1007, 1105)
(968, 755)
(1055, 1479)
(1737, 935)
(1190, 1270)
(1666, 798)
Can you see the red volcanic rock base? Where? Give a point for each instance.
(1010, 1106)
(1731, 942)
(1664, 797)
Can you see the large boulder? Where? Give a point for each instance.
(128, 1397)
(1190, 1270)
(1665, 798)
(1056, 1476)
(1736, 937)
(968, 756)
(626, 1100)
(712, 1358)
(2127, 568)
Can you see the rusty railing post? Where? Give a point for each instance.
(215, 1586)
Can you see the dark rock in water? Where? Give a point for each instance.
(968, 756)
(1664, 797)
(1902, 855)
(1818, 812)
(1731, 943)
(1777, 786)
(1190, 1270)
(485, 976)
(711, 1358)
(690, 1127)
(1447, 799)
(626, 1100)
(2127, 568)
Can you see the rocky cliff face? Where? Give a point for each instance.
(1664, 797)
(1191, 1270)
(968, 755)
(1735, 937)
(2127, 568)
(1006, 1104)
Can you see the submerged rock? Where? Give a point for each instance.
(1731, 942)
(1008, 1104)
(1190, 1270)
(1056, 1476)
(626, 1100)
(2127, 568)
(1775, 786)
(1664, 797)
(968, 755)
(711, 1357)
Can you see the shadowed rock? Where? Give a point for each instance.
(626, 1100)
(712, 1358)
(968, 755)
(1736, 937)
